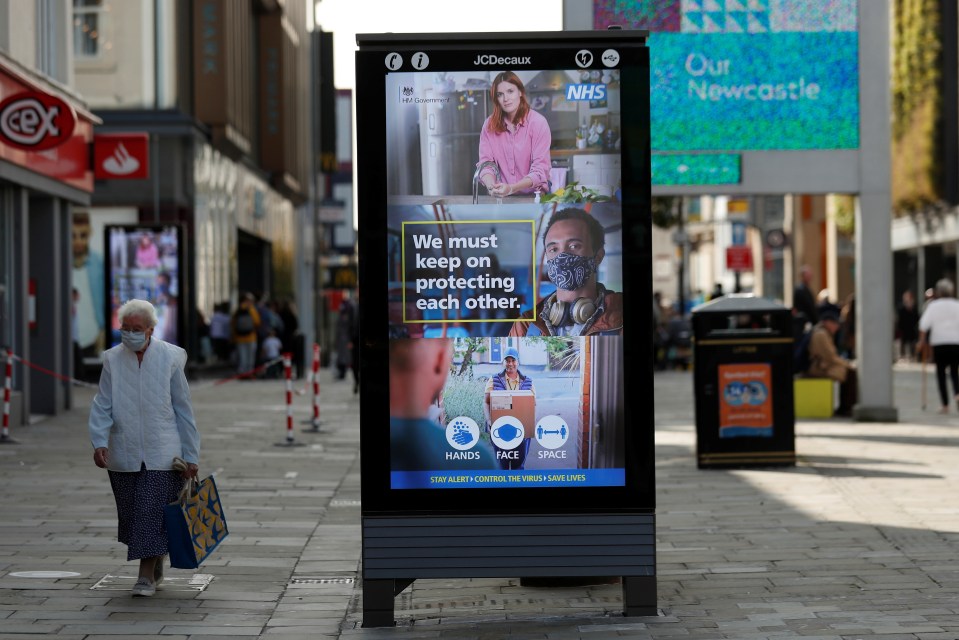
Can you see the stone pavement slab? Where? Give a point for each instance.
(859, 540)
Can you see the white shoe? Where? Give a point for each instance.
(144, 588)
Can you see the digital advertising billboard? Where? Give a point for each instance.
(504, 198)
(145, 262)
(746, 76)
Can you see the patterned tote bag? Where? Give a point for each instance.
(195, 524)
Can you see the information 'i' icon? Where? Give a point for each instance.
(420, 60)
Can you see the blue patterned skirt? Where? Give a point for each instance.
(141, 496)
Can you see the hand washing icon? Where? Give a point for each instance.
(462, 433)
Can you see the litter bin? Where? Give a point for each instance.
(743, 381)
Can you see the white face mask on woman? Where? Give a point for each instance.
(133, 340)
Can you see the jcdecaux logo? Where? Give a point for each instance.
(487, 59)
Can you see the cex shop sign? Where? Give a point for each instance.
(121, 156)
(35, 121)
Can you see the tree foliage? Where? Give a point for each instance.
(916, 104)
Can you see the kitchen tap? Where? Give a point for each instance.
(476, 177)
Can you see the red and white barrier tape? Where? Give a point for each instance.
(54, 374)
(242, 374)
(286, 359)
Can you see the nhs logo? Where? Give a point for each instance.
(586, 92)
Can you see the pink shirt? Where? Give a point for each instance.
(521, 153)
(147, 257)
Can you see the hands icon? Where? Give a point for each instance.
(462, 435)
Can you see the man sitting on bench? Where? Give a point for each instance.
(825, 361)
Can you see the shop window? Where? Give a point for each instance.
(87, 25)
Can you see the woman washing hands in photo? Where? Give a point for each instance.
(514, 143)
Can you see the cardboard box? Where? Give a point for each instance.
(520, 405)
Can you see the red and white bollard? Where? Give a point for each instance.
(7, 386)
(315, 377)
(288, 374)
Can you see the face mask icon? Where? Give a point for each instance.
(507, 432)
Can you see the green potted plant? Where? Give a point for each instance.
(574, 193)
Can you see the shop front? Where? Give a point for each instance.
(45, 137)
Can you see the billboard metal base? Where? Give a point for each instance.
(398, 550)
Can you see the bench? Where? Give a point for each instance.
(814, 397)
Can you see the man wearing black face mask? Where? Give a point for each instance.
(574, 248)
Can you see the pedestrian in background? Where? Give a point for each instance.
(907, 326)
(344, 336)
(290, 336)
(847, 331)
(355, 343)
(245, 322)
(804, 303)
(140, 420)
(220, 331)
(271, 350)
(659, 331)
(717, 292)
(939, 326)
(203, 333)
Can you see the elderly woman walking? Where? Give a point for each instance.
(140, 420)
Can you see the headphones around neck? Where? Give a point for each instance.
(561, 314)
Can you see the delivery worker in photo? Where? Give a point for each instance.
(509, 379)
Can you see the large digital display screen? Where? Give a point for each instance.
(505, 278)
(505, 258)
(747, 74)
(145, 262)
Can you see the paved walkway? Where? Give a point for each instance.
(859, 540)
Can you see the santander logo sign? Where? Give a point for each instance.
(35, 121)
(121, 156)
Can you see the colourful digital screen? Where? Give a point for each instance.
(145, 263)
(690, 169)
(505, 269)
(747, 74)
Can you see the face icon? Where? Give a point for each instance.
(509, 98)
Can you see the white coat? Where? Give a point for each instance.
(142, 411)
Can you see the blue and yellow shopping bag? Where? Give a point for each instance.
(195, 524)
